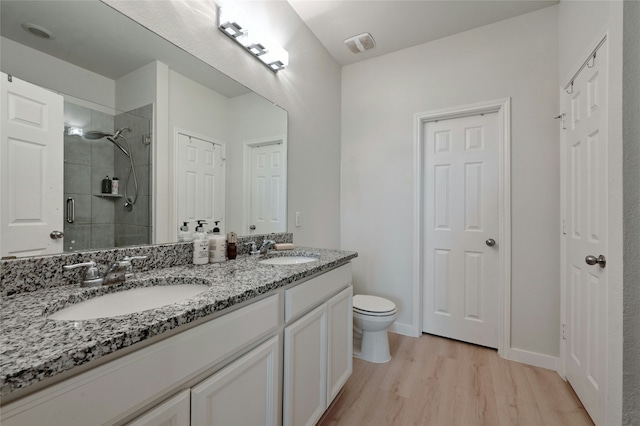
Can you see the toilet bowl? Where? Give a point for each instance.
(372, 316)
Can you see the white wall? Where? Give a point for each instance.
(27, 64)
(515, 58)
(199, 109)
(136, 89)
(631, 125)
(309, 89)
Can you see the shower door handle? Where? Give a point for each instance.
(71, 210)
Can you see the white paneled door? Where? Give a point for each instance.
(31, 172)
(461, 229)
(267, 209)
(585, 234)
(200, 180)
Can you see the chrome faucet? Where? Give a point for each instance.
(118, 272)
(92, 276)
(265, 246)
(130, 273)
(254, 249)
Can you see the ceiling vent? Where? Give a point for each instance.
(360, 43)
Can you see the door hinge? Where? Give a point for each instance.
(564, 227)
(10, 78)
(562, 332)
(561, 117)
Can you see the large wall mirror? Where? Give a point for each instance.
(101, 98)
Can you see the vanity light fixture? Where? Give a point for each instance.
(270, 54)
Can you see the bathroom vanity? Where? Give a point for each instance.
(265, 344)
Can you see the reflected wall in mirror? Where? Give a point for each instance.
(201, 146)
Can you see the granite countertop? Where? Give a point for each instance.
(34, 347)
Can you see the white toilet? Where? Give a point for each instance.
(372, 316)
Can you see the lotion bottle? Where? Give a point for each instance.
(115, 185)
(217, 245)
(200, 246)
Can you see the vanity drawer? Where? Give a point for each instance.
(303, 297)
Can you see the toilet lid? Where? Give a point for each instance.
(366, 303)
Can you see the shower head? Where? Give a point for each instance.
(93, 135)
(96, 135)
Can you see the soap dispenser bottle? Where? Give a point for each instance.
(184, 234)
(199, 233)
(217, 245)
(200, 245)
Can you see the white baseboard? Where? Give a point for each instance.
(404, 329)
(512, 354)
(533, 358)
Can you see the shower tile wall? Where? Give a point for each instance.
(87, 162)
(134, 227)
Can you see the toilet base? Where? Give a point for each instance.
(374, 346)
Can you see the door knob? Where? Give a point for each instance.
(56, 235)
(491, 242)
(592, 260)
(252, 227)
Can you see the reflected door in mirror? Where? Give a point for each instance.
(200, 171)
(31, 188)
(267, 209)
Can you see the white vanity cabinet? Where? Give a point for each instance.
(243, 393)
(176, 411)
(115, 391)
(317, 345)
(279, 360)
(246, 392)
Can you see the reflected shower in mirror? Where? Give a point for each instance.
(99, 145)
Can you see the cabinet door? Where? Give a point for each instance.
(339, 342)
(173, 412)
(305, 369)
(244, 393)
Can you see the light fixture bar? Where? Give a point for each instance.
(270, 54)
(257, 49)
(232, 29)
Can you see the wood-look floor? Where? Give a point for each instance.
(437, 381)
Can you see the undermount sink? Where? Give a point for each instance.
(129, 301)
(287, 260)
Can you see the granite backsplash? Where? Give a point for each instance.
(35, 273)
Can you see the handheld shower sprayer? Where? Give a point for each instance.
(96, 135)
